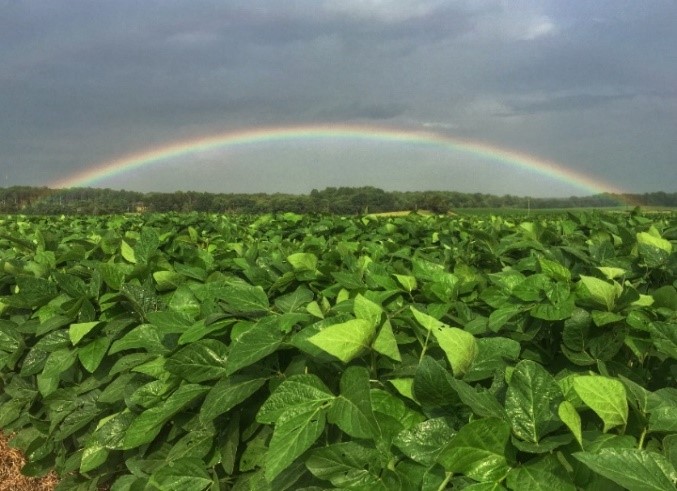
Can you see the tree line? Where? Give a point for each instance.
(336, 200)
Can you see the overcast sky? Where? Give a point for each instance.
(591, 85)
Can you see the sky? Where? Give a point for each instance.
(588, 86)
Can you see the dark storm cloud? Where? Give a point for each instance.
(84, 81)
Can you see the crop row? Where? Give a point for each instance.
(311, 352)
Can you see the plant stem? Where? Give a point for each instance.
(444, 483)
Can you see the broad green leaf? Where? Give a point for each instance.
(482, 402)
(664, 336)
(295, 432)
(91, 355)
(654, 250)
(55, 365)
(227, 393)
(658, 242)
(351, 410)
(570, 417)
(295, 301)
(168, 280)
(459, 346)
(148, 424)
(479, 450)
(664, 419)
(253, 345)
(297, 393)
(532, 400)
(182, 474)
(367, 310)
(146, 245)
(127, 252)
(196, 443)
(598, 291)
(545, 474)
(424, 442)
(633, 469)
(665, 296)
(432, 384)
(199, 361)
(554, 270)
(612, 273)
(346, 340)
(245, 299)
(386, 343)
(405, 386)
(347, 465)
(407, 282)
(303, 261)
(493, 355)
(606, 397)
(113, 274)
(78, 331)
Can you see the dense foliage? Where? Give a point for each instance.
(281, 352)
(342, 200)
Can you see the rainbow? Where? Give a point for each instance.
(351, 132)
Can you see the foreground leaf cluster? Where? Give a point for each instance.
(296, 352)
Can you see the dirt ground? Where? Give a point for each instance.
(11, 478)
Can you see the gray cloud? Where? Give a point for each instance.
(588, 84)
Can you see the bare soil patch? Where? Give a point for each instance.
(11, 479)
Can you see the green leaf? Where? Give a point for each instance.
(664, 337)
(665, 296)
(351, 410)
(598, 292)
(570, 417)
(554, 270)
(633, 469)
(245, 299)
(407, 282)
(347, 465)
(199, 361)
(180, 475)
(479, 450)
(367, 310)
(148, 424)
(253, 345)
(297, 393)
(78, 331)
(654, 250)
(127, 252)
(424, 442)
(146, 245)
(295, 432)
(432, 384)
(294, 301)
(386, 343)
(228, 393)
(346, 340)
(168, 280)
(605, 396)
(532, 400)
(545, 474)
(303, 261)
(92, 354)
(480, 401)
(459, 346)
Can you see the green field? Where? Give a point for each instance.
(286, 351)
